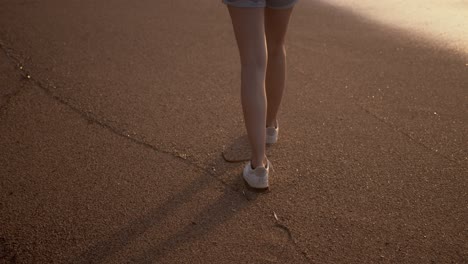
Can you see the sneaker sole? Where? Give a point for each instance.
(255, 189)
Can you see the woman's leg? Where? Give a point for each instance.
(249, 29)
(276, 24)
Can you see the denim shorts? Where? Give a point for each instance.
(275, 4)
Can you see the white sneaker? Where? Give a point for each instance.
(257, 178)
(272, 134)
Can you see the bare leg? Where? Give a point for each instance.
(276, 24)
(249, 29)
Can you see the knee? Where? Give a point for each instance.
(254, 62)
(276, 50)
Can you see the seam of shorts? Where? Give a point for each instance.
(283, 7)
(243, 4)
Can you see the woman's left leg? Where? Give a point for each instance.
(249, 29)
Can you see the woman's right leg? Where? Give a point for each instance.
(248, 24)
(276, 24)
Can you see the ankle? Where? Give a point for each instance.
(256, 163)
(272, 124)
